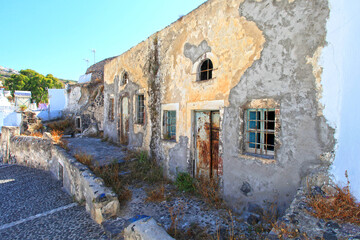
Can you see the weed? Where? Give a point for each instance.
(208, 189)
(62, 125)
(110, 175)
(184, 182)
(56, 135)
(36, 134)
(64, 144)
(38, 127)
(23, 107)
(287, 231)
(176, 215)
(146, 169)
(84, 158)
(156, 195)
(339, 206)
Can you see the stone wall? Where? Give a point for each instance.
(86, 101)
(77, 179)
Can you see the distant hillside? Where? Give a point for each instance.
(70, 82)
(7, 72)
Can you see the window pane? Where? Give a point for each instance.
(270, 141)
(252, 115)
(270, 120)
(251, 140)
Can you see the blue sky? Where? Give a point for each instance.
(54, 36)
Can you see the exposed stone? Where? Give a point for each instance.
(145, 229)
(246, 189)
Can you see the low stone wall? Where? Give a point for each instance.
(77, 179)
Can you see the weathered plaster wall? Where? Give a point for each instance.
(294, 33)
(78, 180)
(260, 50)
(87, 101)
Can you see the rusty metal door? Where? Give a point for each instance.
(207, 125)
(124, 130)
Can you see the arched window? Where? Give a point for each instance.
(124, 79)
(206, 69)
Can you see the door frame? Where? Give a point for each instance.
(194, 136)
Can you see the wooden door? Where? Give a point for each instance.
(207, 125)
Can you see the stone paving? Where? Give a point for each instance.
(103, 152)
(33, 206)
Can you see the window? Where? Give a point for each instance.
(124, 79)
(206, 69)
(169, 125)
(78, 122)
(111, 109)
(260, 131)
(140, 109)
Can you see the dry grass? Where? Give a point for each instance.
(144, 168)
(110, 175)
(340, 206)
(176, 214)
(56, 135)
(36, 134)
(208, 189)
(156, 195)
(84, 158)
(64, 144)
(287, 231)
(62, 125)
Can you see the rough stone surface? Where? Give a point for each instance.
(145, 229)
(103, 153)
(26, 192)
(77, 179)
(297, 217)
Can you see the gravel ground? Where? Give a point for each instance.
(27, 192)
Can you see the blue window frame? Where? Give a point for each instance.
(169, 125)
(140, 109)
(260, 131)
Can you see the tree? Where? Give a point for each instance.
(30, 80)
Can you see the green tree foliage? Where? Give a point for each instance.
(30, 80)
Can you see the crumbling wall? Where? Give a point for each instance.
(86, 101)
(294, 31)
(261, 50)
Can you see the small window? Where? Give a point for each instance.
(78, 122)
(140, 109)
(206, 69)
(260, 131)
(124, 79)
(111, 109)
(169, 125)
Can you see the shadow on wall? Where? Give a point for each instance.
(12, 119)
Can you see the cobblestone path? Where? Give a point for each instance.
(33, 206)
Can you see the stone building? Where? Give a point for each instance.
(85, 100)
(230, 90)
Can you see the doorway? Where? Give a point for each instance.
(207, 126)
(124, 121)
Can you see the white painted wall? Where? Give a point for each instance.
(57, 99)
(8, 117)
(57, 103)
(341, 88)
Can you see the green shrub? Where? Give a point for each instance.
(185, 182)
